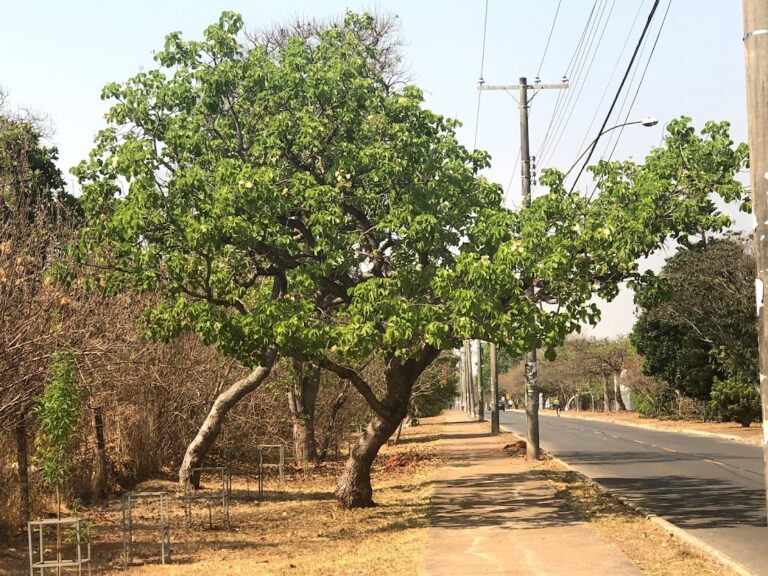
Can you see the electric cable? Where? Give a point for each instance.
(618, 93)
(549, 38)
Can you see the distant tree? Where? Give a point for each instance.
(703, 327)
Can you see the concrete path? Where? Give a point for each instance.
(490, 515)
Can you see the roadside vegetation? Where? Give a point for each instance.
(275, 242)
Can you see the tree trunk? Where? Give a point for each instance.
(620, 406)
(353, 489)
(211, 426)
(99, 484)
(606, 395)
(301, 404)
(22, 460)
(341, 399)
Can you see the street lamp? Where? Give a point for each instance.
(644, 122)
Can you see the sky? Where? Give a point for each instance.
(56, 56)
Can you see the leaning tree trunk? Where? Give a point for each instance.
(354, 489)
(211, 426)
(22, 460)
(617, 392)
(302, 397)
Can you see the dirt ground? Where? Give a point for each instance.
(299, 530)
(751, 435)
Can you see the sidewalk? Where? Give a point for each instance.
(491, 515)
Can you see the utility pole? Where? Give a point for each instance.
(494, 389)
(468, 372)
(756, 53)
(531, 365)
(481, 398)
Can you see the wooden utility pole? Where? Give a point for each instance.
(494, 388)
(531, 365)
(480, 397)
(756, 52)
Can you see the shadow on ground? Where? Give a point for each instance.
(495, 500)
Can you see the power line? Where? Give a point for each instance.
(481, 80)
(552, 29)
(577, 76)
(618, 92)
(630, 85)
(583, 83)
(611, 76)
(642, 78)
(560, 96)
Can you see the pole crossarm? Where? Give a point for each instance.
(535, 86)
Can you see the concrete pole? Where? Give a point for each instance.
(468, 370)
(756, 53)
(479, 376)
(494, 389)
(531, 365)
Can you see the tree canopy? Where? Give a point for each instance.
(703, 326)
(290, 197)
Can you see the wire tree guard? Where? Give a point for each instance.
(262, 448)
(159, 500)
(223, 494)
(79, 531)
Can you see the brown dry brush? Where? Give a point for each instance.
(145, 399)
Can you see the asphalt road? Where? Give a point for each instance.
(712, 488)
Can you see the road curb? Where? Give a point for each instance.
(666, 525)
(706, 549)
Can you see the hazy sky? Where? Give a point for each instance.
(55, 56)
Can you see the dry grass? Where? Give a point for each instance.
(653, 550)
(299, 531)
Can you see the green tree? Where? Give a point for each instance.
(293, 199)
(703, 327)
(30, 181)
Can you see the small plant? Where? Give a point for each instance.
(736, 399)
(59, 411)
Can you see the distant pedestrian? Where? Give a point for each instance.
(556, 406)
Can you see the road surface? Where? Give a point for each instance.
(712, 488)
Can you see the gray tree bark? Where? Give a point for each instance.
(354, 489)
(606, 394)
(617, 392)
(99, 483)
(302, 397)
(211, 426)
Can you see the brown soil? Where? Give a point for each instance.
(300, 531)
